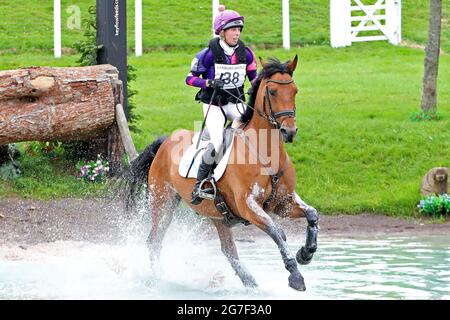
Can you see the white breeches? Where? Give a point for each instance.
(216, 120)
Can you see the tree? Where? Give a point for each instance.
(429, 88)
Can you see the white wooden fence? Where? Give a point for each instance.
(354, 21)
(138, 25)
(57, 28)
(350, 20)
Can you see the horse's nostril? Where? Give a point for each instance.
(288, 131)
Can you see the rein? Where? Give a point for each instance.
(273, 116)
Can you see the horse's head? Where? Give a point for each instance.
(278, 90)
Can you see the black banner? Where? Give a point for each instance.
(112, 34)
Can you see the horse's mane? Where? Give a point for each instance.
(273, 66)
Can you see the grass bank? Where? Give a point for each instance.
(184, 24)
(357, 149)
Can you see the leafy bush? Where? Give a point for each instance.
(47, 149)
(133, 117)
(88, 47)
(435, 205)
(10, 170)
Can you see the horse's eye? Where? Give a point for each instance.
(272, 92)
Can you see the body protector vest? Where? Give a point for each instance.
(233, 75)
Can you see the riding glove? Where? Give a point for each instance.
(216, 83)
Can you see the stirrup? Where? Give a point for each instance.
(206, 193)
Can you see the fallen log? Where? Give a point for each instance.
(57, 104)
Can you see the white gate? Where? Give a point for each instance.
(355, 21)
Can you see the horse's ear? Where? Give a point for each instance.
(293, 64)
(263, 62)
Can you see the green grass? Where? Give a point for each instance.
(47, 177)
(357, 149)
(184, 24)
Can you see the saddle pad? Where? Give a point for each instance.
(191, 152)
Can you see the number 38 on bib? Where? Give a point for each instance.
(232, 75)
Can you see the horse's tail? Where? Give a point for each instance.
(137, 173)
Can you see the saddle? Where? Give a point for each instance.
(190, 163)
(191, 159)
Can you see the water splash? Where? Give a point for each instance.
(192, 266)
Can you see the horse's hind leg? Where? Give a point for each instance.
(162, 203)
(229, 250)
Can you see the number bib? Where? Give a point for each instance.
(233, 75)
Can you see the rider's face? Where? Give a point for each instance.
(232, 36)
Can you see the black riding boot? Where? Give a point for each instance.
(203, 172)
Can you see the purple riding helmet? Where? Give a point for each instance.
(226, 19)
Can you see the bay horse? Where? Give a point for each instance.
(248, 193)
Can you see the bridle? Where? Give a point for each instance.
(273, 116)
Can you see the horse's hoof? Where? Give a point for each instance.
(297, 283)
(303, 257)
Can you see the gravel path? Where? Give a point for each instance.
(28, 222)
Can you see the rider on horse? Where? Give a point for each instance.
(220, 69)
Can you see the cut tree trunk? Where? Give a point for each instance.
(429, 88)
(57, 104)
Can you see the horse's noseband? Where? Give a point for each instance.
(273, 116)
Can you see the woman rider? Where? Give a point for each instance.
(224, 64)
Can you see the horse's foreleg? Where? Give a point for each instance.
(255, 214)
(305, 254)
(229, 250)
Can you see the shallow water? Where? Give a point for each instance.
(382, 267)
